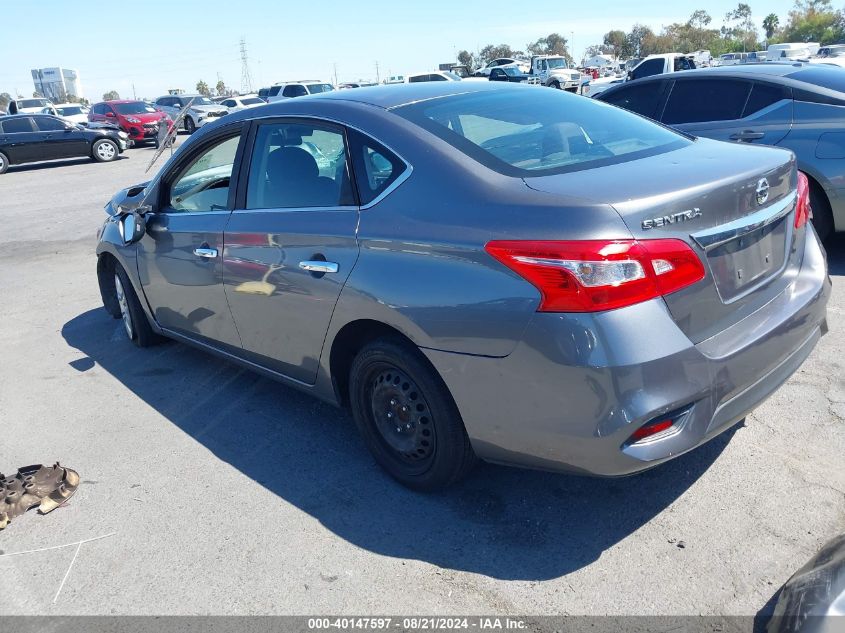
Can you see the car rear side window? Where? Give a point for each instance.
(15, 125)
(376, 167)
(524, 132)
(640, 98)
(697, 101)
(46, 124)
(762, 96)
(298, 165)
(648, 68)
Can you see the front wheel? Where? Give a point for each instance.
(190, 126)
(4, 163)
(407, 417)
(556, 85)
(104, 151)
(135, 323)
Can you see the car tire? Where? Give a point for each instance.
(4, 163)
(822, 213)
(556, 85)
(104, 151)
(407, 416)
(190, 126)
(135, 323)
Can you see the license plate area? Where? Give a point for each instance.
(749, 260)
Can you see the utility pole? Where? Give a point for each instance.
(335, 74)
(378, 79)
(134, 94)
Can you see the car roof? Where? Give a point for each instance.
(395, 95)
(123, 101)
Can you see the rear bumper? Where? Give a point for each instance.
(577, 386)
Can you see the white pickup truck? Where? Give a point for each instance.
(554, 71)
(651, 65)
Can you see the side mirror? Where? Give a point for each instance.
(110, 115)
(132, 227)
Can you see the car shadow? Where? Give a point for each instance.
(70, 162)
(504, 523)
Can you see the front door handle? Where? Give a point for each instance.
(747, 135)
(319, 266)
(210, 253)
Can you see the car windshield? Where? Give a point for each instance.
(317, 88)
(32, 103)
(539, 132)
(830, 77)
(557, 62)
(202, 101)
(251, 101)
(135, 107)
(70, 110)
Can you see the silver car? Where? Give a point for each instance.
(480, 271)
(203, 110)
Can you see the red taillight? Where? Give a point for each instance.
(652, 428)
(803, 212)
(593, 275)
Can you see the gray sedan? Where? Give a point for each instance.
(480, 271)
(795, 106)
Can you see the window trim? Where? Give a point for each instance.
(240, 199)
(167, 180)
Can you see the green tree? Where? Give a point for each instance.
(637, 35)
(491, 51)
(814, 21)
(467, 59)
(739, 27)
(110, 95)
(615, 42)
(770, 25)
(552, 44)
(202, 88)
(222, 90)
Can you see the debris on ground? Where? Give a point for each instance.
(47, 487)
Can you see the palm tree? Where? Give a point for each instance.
(770, 25)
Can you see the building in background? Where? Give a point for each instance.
(57, 84)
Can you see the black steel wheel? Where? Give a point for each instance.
(407, 416)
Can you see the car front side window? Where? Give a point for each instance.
(298, 165)
(203, 185)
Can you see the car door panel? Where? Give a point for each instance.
(22, 145)
(282, 310)
(180, 256)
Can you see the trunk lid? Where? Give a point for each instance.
(732, 203)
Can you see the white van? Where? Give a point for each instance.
(792, 50)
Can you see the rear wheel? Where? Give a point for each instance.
(4, 163)
(407, 417)
(104, 150)
(822, 214)
(135, 322)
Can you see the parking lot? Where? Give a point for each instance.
(220, 492)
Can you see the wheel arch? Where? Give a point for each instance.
(348, 342)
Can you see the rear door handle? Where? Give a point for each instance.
(747, 135)
(210, 253)
(319, 266)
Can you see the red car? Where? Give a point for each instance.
(138, 119)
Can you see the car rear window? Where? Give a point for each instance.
(524, 132)
(831, 78)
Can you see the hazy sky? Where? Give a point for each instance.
(116, 44)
